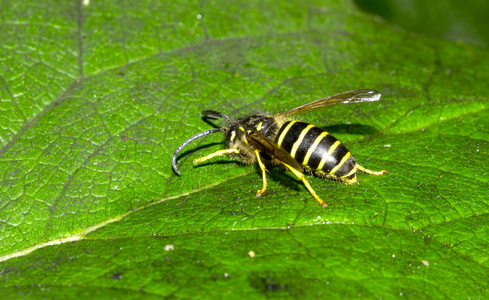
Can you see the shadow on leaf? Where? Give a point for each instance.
(351, 129)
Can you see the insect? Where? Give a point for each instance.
(278, 140)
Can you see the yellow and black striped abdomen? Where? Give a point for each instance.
(317, 150)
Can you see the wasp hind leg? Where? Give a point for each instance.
(217, 153)
(351, 177)
(370, 171)
(301, 176)
(264, 174)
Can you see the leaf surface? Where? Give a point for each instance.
(96, 96)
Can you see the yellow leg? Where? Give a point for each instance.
(352, 180)
(369, 171)
(308, 186)
(264, 174)
(217, 153)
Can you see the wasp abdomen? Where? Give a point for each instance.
(316, 150)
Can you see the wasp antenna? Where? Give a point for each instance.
(214, 114)
(188, 141)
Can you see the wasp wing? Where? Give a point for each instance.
(355, 96)
(271, 148)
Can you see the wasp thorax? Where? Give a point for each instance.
(263, 124)
(240, 130)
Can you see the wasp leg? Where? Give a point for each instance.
(308, 186)
(352, 180)
(217, 153)
(264, 174)
(370, 171)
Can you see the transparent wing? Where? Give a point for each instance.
(346, 97)
(273, 150)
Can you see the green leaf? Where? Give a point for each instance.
(95, 97)
(452, 20)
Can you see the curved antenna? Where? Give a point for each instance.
(188, 141)
(214, 114)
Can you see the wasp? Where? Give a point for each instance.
(298, 146)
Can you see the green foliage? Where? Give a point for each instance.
(95, 98)
(449, 19)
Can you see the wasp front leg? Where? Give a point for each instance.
(217, 153)
(264, 174)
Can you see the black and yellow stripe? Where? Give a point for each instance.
(316, 149)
